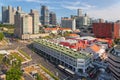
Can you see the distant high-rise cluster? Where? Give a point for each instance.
(8, 14)
(80, 20)
(100, 20)
(47, 17)
(27, 23)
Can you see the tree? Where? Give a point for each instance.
(117, 40)
(1, 36)
(38, 77)
(7, 26)
(6, 60)
(15, 72)
(66, 33)
(45, 26)
(1, 58)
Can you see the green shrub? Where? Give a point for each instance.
(1, 36)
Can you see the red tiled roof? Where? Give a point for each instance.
(73, 35)
(64, 28)
(51, 28)
(103, 40)
(95, 48)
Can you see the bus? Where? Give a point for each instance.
(66, 70)
(61, 67)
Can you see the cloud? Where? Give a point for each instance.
(37, 1)
(109, 13)
(29, 0)
(76, 5)
(41, 1)
(54, 8)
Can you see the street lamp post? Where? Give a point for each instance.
(57, 74)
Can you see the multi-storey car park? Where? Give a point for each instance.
(77, 62)
(114, 61)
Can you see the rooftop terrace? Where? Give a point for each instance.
(64, 50)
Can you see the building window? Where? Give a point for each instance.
(112, 27)
(79, 65)
(80, 61)
(80, 70)
(119, 32)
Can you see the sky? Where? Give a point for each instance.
(106, 9)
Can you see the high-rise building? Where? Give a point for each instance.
(52, 17)
(44, 15)
(82, 21)
(11, 15)
(4, 14)
(23, 25)
(8, 14)
(106, 30)
(114, 62)
(73, 16)
(19, 9)
(35, 21)
(100, 20)
(79, 12)
(68, 23)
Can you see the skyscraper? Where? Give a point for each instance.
(79, 12)
(4, 14)
(35, 21)
(19, 9)
(23, 25)
(8, 14)
(44, 15)
(11, 15)
(52, 17)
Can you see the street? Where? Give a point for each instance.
(27, 76)
(37, 59)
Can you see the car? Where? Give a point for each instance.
(93, 73)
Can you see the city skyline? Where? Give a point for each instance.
(59, 40)
(96, 9)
